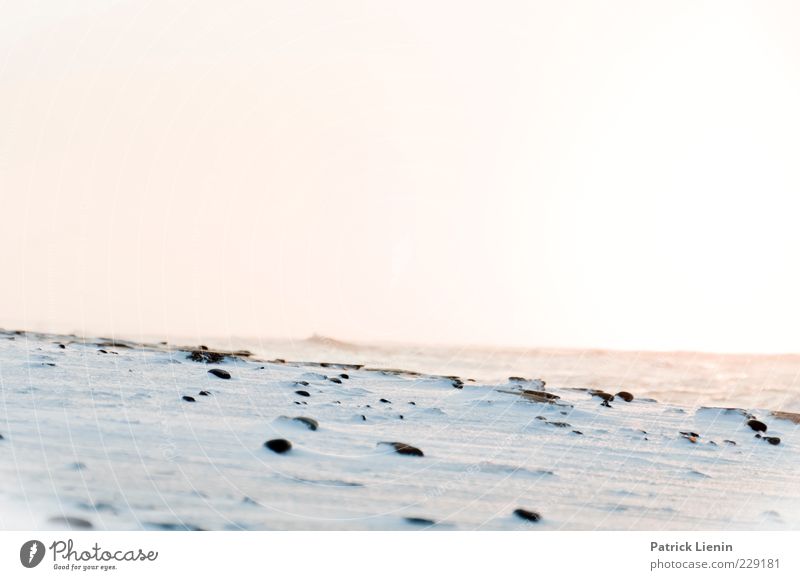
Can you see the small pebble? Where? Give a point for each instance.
(335, 380)
(312, 424)
(773, 440)
(527, 515)
(278, 445)
(188, 399)
(344, 376)
(220, 373)
(625, 396)
(404, 448)
(603, 395)
(204, 394)
(72, 522)
(757, 425)
(420, 521)
(303, 393)
(385, 401)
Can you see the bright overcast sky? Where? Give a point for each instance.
(610, 174)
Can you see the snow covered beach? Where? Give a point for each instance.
(101, 434)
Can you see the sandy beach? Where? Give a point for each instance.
(100, 434)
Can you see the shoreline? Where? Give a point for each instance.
(109, 434)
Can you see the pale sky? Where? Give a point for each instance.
(588, 174)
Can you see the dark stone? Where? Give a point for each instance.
(188, 399)
(558, 424)
(773, 440)
(206, 356)
(220, 373)
(72, 522)
(173, 527)
(625, 396)
(420, 521)
(363, 417)
(527, 515)
(605, 404)
(61, 346)
(312, 424)
(603, 395)
(344, 376)
(577, 432)
(278, 445)
(404, 448)
(542, 394)
(757, 425)
(303, 393)
(412, 403)
(729, 442)
(204, 394)
(1, 437)
(104, 351)
(336, 380)
(402, 417)
(302, 383)
(385, 401)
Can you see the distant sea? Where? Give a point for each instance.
(687, 378)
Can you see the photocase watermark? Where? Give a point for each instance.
(67, 557)
(31, 553)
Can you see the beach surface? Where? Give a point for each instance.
(109, 434)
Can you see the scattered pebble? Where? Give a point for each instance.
(220, 373)
(204, 394)
(539, 396)
(757, 425)
(336, 380)
(278, 445)
(206, 356)
(603, 395)
(303, 393)
(527, 515)
(344, 376)
(312, 424)
(174, 527)
(420, 521)
(404, 448)
(385, 401)
(72, 522)
(625, 396)
(188, 399)
(729, 442)
(773, 440)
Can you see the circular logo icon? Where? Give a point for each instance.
(31, 553)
